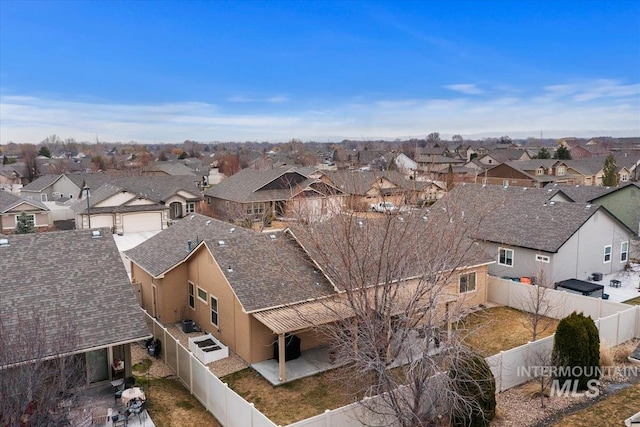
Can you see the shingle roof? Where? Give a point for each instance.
(158, 188)
(583, 193)
(169, 247)
(170, 168)
(41, 183)
(359, 182)
(268, 272)
(86, 288)
(243, 186)
(523, 218)
(8, 201)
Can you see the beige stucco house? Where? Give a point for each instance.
(12, 206)
(249, 289)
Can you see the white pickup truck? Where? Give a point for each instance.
(384, 207)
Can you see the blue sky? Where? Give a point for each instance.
(317, 70)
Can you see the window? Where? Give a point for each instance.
(506, 257)
(202, 295)
(30, 219)
(191, 207)
(71, 196)
(468, 282)
(505, 182)
(540, 171)
(543, 258)
(624, 251)
(192, 297)
(624, 177)
(607, 253)
(214, 311)
(43, 197)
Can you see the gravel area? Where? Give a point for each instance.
(520, 406)
(159, 369)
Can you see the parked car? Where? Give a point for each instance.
(384, 207)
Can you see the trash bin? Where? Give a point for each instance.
(605, 296)
(187, 326)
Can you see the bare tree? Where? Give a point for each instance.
(39, 375)
(29, 156)
(399, 278)
(540, 308)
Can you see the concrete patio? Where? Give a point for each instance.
(95, 403)
(629, 283)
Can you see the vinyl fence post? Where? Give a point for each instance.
(327, 417)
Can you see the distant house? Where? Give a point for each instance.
(10, 179)
(623, 202)
(51, 187)
(66, 294)
(365, 188)
(532, 236)
(283, 192)
(501, 155)
(12, 206)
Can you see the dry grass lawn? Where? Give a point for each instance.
(293, 401)
(634, 301)
(611, 411)
(500, 328)
(171, 405)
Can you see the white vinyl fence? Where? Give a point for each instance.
(616, 322)
(226, 405)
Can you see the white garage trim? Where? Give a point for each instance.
(142, 221)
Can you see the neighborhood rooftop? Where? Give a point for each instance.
(68, 278)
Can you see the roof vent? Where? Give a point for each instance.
(4, 242)
(232, 229)
(588, 206)
(192, 216)
(189, 246)
(96, 234)
(222, 243)
(229, 269)
(524, 188)
(272, 236)
(360, 223)
(208, 222)
(551, 203)
(425, 218)
(400, 219)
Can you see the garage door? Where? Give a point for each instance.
(98, 221)
(148, 221)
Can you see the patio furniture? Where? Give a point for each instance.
(131, 394)
(137, 407)
(615, 283)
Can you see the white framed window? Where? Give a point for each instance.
(29, 219)
(561, 171)
(607, 253)
(624, 177)
(624, 251)
(540, 171)
(506, 257)
(505, 182)
(468, 282)
(192, 296)
(214, 311)
(191, 207)
(202, 294)
(543, 258)
(43, 197)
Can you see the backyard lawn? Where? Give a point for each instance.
(611, 411)
(171, 405)
(634, 301)
(499, 328)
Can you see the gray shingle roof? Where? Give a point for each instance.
(244, 186)
(268, 272)
(359, 182)
(41, 183)
(69, 278)
(9, 201)
(169, 247)
(583, 193)
(522, 218)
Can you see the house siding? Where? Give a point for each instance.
(524, 264)
(625, 205)
(583, 253)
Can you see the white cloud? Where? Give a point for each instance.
(466, 88)
(276, 99)
(567, 108)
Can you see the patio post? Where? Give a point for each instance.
(281, 356)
